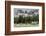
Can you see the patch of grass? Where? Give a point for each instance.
(25, 25)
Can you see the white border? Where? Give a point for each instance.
(25, 28)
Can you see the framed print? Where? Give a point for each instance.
(24, 17)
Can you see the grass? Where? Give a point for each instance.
(25, 25)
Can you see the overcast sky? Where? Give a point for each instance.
(24, 9)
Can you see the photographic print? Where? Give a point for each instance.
(24, 18)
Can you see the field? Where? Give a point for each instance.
(26, 25)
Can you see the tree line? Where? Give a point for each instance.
(27, 19)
